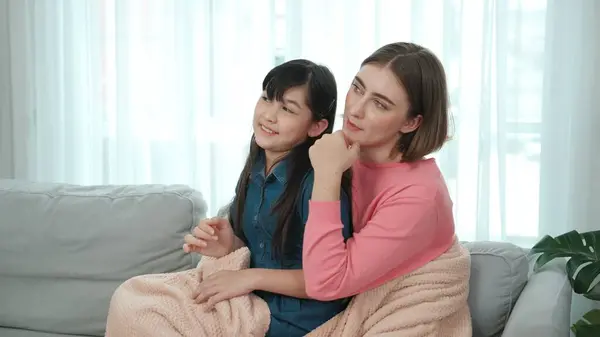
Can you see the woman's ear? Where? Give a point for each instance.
(412, 124)
(317, 128)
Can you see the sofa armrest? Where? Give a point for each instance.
(544, 306)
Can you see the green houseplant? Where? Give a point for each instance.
(583, 269)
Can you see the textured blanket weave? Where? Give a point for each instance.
(162, 305)
(429, 302)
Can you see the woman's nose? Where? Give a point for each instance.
(357, 108)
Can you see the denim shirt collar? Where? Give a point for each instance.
(279, 170)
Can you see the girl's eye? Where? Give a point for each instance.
(265, 98)
(286, 109)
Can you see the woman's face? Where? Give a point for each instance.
(376, 110)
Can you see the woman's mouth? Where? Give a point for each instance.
(351, 126)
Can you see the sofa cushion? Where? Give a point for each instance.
(64, 249)
(499, 272)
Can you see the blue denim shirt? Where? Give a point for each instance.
(289, 316)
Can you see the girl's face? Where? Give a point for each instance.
(280, 126)
(376, 111)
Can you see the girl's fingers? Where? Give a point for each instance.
(203, 234)
(204, 293)
(208, 230)
(194, 241)
(187, 248)
(216, 298)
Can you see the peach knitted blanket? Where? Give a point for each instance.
(162, 305)
(429, 302)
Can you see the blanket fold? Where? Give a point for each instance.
(162, 305)
(429, 302)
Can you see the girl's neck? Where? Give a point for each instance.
(272, 158)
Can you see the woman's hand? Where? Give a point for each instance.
(332, 155)
(224, 285)
(212, 237)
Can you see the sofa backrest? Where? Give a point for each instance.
(64, 249)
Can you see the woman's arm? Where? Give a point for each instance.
(279, 281)
(401, 229)
(291, 282)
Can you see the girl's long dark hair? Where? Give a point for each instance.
(322, 101)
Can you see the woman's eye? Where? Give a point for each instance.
(380, 105)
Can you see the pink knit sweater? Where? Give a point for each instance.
(402, 218)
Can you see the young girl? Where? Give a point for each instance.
(396, 114)
(270, 207)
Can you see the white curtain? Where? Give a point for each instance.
(162, 91)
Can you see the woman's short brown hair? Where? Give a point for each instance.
(423, 77)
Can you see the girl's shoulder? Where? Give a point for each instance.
(306, 185)
(309, 177)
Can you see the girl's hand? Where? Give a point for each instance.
(332, 155)
(224, 285)
(212, 237)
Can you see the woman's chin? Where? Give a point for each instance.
(351, 137)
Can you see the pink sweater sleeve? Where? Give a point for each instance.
(401, 228)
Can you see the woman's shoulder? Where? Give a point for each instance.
(415, 192)
(422, 180)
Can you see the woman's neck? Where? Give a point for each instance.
(380, 155)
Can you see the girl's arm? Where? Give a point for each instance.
(401, 232)
(237, 243)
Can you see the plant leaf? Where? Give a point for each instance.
(592, 316)
(585, 246)
(588, 325)
(594, 294)
(569, 242)
(582, 281)
(547, 257)
(587, 331)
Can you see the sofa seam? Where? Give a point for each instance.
(57, 195)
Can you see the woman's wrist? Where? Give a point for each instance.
(328, 174)
(327, 186)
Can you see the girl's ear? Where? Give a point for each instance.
(317, 128)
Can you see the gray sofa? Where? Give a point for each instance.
(64, 249)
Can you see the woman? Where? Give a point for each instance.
(396, 114)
